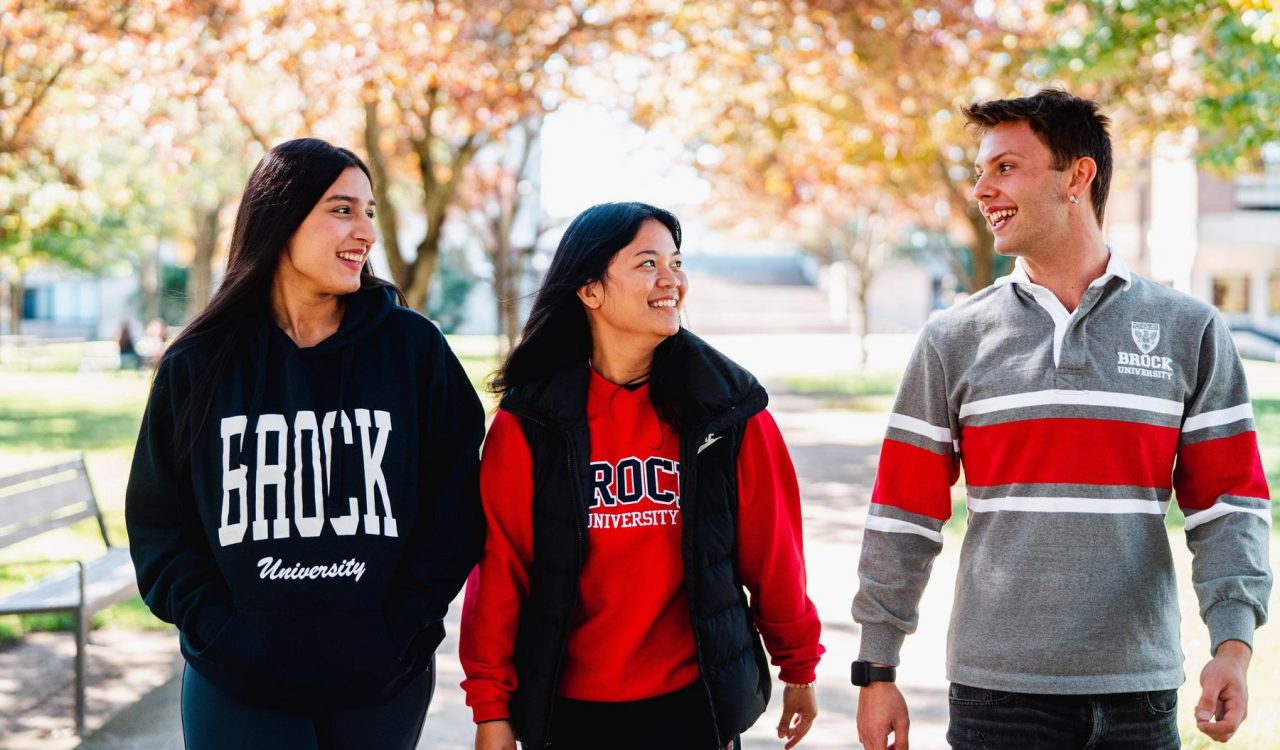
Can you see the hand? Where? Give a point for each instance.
(495, 735)
(881, 710)
(1224, 701)
(799, 709)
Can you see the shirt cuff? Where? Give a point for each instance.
(797, 675)
(881, 644)
(490, 711)
(1230, 620)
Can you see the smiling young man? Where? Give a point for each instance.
(1077, 398)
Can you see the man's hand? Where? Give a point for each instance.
(1224, 701)
(799, 709)
(495, 735)
(881, 710)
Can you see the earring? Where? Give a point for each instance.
(1075, 199)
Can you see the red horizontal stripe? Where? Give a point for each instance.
(915, 480)
(1222, 466)
(1073, 451)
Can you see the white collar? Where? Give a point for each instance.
(1115, 267)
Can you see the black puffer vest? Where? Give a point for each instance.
(720, 398)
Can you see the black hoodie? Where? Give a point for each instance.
(279, 602)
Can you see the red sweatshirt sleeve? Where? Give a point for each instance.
(497, 587)
(771, 551)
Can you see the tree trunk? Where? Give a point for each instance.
(15, 304)
(512, 312)
(511, 306)
(388, 221)
(200, 284)
(864, 320)
(149, 282)
(501, 260)
(424, 267)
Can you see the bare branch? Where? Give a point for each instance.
(41, 92)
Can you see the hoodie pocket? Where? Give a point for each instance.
(303, 660)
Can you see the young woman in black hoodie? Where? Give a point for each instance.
(303, 501)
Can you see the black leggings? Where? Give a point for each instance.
(680, 720)
(213, 720)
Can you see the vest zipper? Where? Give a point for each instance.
(688, 473)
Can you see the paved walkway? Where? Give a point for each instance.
(835, 454)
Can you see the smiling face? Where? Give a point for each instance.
(325, 255)
(643, 289)
(1023, 197)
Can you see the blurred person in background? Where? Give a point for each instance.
(129, 359)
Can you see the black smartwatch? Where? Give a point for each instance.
(865, 673)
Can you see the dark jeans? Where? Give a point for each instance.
(679, 720)
(993, 720)
(213, 720)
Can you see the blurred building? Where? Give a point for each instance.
(1214, 238)
(58, 304)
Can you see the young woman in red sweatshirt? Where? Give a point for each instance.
(636, 492)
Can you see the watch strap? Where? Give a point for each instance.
(864, 673)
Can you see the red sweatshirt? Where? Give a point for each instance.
(633, 637)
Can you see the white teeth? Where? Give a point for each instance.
(995, 217)
(353, 257)
(663, 303)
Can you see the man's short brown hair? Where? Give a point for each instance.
(1070, 126)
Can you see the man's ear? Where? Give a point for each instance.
(592, 294)
(1082, 171)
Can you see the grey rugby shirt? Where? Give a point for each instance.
(1073, 431)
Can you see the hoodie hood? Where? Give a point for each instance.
(365, 311)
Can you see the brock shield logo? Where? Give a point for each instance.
(1145, 335)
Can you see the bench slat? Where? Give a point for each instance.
(76, 464)
(13, 535)
(108, 579)
(45, 499)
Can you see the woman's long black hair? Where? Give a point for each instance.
(285, 185)
(557, 335)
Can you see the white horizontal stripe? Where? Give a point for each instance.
(920, 427)
(896, 526)
(1222, 509)
(1068, 505)
(1219, 417)
(1072, 398)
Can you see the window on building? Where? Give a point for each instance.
(1231, 293)
(1273, 293)
(37, 303)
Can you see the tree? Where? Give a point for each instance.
(1168, 65)
(858, 98)
(439, 82)
(500, 204)
(45, 212)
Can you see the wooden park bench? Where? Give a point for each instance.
(41, 500)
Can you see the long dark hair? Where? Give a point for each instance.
(557, 335)
(285, 185)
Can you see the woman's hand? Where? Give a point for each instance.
(799, 709)
(495, 735)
